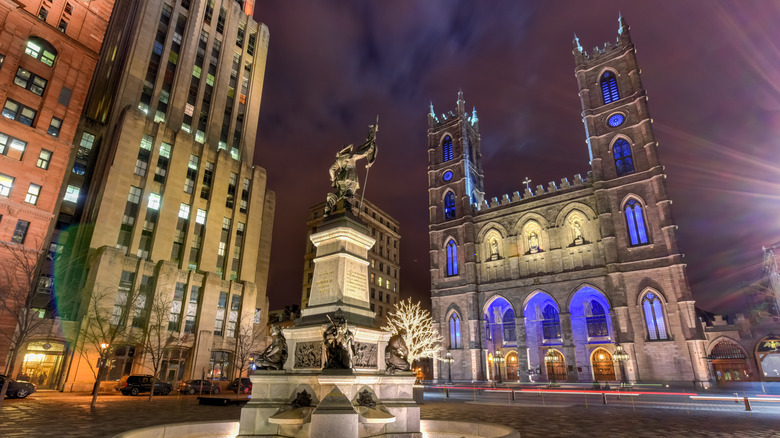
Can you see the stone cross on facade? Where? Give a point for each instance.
(527, 183)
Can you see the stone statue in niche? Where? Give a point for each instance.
(339, 345)
(343, 173)
(275, 354)
(395, 355)
(533, 242)
(494, 249)
(576, 230)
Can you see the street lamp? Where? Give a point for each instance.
(621, 357)
(551, 358)
(449, 360)
(499, 359)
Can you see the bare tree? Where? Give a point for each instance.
(248, 341)
(104, 328)
(416, 326)
(19, 302)
(157, 338)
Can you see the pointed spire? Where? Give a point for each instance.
(577, 43)
(432, 112)
(621, 23)
(461, 102)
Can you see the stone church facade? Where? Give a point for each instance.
(570, 270)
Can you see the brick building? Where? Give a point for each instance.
(384, 270)
(48, 53)
(568, 270)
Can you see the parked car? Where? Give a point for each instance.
(199, 386)
(246, 385)
(17, 388)
(136, 384)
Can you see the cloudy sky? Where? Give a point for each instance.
(712, 74)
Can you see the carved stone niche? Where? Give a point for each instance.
(308, 355)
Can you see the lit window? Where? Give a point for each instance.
(87, 140)
(32, 194)
(446, 147)
(200, 218)
(184, 211)
(72, 194)
(609, 88)
(41, 50)
(154, 201)
(449, 206)
(193, 162)
(16, 111)
(624, 163)
(551, 323)
(455, 331)
(29, 81)
(20, 232)
(12, 147)
(6, 184)
(636, 223)
(135, 195)
(44, 158)
(54, 126)
(452, 258)
(63, 26)
(654, 317)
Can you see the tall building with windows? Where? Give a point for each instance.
(555, 279)
(384, 270)
(48, 53)
(163, 203)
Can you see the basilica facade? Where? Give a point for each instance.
(547, 283)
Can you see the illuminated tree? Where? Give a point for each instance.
(416, 326)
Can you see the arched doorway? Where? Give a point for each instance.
(512, 366)
(768, 358)
(603, 365)
(557, 368)
(729, 362)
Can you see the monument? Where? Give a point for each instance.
(334, 383)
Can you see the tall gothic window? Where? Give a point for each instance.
(455, 331)
(596, 319)
(449, 206)
(609, 89)
(452, 258)
(654, 317)
(635, 219)
(446, 149)
(624, 163)
(551, 323)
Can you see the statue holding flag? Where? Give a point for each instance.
(343, 173)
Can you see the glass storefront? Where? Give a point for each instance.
(42, 363)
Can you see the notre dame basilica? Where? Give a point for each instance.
(551, 282)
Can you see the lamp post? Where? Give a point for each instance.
(449, 360)
(621, 357)
(551, 358)
(499, 359)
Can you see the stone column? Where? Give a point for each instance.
(568, 348)
(522, 349)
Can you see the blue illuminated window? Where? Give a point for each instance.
(596, 318)
(551, 323)
(616, 120)
(446, 148)
(624, 163)
(654, 317)
(447, 176)
(455, 331)
(452, 258)
(449, 206)
(636, 223)
(609, 89)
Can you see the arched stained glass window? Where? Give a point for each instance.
(654, 317)
(596, 319)
(624, 163)
(609, 88)
(635, 220)
(508, 322)
(455, 331)
(446, 149)
(452, 258)
(726, 350)
(449, 206)
(488, 334)
(551, 323)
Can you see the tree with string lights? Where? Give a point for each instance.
(415, 325)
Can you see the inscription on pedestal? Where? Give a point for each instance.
(365, 355)
(355, 284)
(324, 279)
(308, 354)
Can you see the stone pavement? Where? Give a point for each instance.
(53, 414)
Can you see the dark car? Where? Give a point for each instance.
(199, 386)
(16, 388)
(134, 385)
(246, 385)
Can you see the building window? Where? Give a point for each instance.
(609, 88)
(41, 50)
(63, 26)
(43, 13)
(175, 316)
(208, 174)
(446, 147)
(636, 223)
(12, 147)
(244, 196)
(30, 81)
(85, 146)
(72, 194)
(596, 318)
(624, 163)
(6, 184)
(455, 331)
(54, 126)
(162, 163)
(154, 201)
(654, 317)
(44, 158)
(200, 218)
(220, 365)
(20, 232)
(452, 258)
(16, 111)
(449, 206)
(32, 194)
(221, 307)
(192, 174)
(192, 310)
(235, 305)
(551, 323)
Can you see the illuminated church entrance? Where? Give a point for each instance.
(603, 365)
(557, 368)
(512, 366)
(729, 362)
(768, 355)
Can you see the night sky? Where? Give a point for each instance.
(711, 69)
